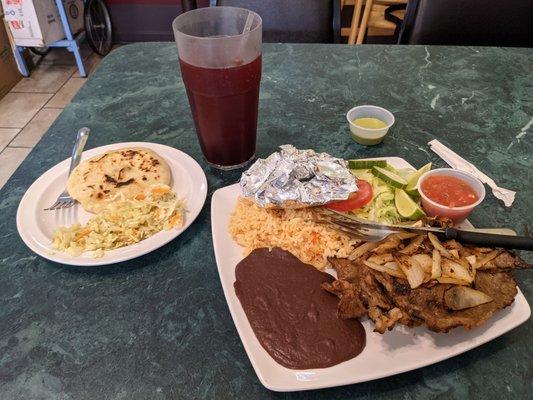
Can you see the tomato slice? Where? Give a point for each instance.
(358, 199)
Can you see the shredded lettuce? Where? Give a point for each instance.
(382, 207)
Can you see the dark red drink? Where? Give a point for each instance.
(224, 105)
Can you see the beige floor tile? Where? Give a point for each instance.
(90, 65)
(10, 159)
(36, 128)
(17, 109)
(6, 136)
(62, 98)
(45, 78)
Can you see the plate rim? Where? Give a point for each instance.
(313, 385)
(97, 262)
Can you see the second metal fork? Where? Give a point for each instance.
(358, 229)
(64, 200)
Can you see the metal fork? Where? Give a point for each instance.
(374, 232)
(65, 200)
(365, 230)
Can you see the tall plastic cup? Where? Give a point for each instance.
(221, 69)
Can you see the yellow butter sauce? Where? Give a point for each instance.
(370, 123)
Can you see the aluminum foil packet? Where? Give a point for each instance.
(297, 178)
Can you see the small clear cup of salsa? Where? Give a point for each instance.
(450, 193)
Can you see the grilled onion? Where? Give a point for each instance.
(412, 270)
(461, 297)
(456, 270)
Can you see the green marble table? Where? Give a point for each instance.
(158, 327)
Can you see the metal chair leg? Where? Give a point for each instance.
(72, 44)
(79, 60)
(21, 61)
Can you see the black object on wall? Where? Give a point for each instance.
(468, 22)
(295, 21)
(147, 20)
(188, 5)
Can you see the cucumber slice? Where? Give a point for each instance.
(389, 177)
(413, 180)
(406, 207)
(366, 164)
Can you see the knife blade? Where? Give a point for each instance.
(376, 231)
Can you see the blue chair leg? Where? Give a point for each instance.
(21, 61)
(72, 44)
(79, 61)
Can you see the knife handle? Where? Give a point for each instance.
(490, 240)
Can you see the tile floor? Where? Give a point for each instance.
(34, 103)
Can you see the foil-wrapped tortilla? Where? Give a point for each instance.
(297, 178)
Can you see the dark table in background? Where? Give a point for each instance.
(158, 327)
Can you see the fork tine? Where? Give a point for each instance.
(344, 228)
(354, 228)
(358, 235)
(337, 227)
(351, 231)
(362, 232)
(59, 205)
(53, 206)
(354, 235)
(64, 204)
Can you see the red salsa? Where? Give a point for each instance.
(449, 191)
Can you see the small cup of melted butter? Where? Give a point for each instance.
(369, 124)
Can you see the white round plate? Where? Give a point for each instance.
(36, 226)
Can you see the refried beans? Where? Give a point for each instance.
(292, 317)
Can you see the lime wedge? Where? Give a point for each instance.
(366, 164)
(389, 177)
(413, 180)
(406, 206)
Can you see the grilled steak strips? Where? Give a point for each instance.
(388, 300)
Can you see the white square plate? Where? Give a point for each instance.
(403, 349)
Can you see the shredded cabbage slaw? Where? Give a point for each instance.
(125, 222)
